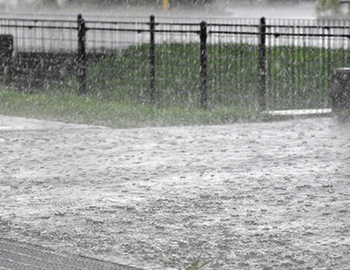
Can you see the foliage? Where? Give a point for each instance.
(63, 104)
(328, 5)
(50, 2)
(297, 77)
(118, 86)
(126, 76)
(190, 2)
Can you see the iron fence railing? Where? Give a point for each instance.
(245, 63)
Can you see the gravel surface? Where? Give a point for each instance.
(245, 196)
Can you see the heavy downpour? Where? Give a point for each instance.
(174, 134)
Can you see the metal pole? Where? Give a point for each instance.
(262, 64)
(81, 55)
(203, 70)
(152, 60)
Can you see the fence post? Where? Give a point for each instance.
(262, 64)
(6, 50)
(81, 55)
(203, 70)
(152, 60)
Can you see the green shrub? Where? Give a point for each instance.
(297, 77)
(332, 6)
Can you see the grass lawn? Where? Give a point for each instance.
(69, 107)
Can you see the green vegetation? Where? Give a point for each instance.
(69, 107)
(297, 77)
(323, 6)
(118, 95)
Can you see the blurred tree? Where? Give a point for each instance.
(50, 2)
(324, 6)
(190, 2)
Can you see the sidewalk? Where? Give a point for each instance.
(22, 123)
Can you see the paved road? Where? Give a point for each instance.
(15, 255)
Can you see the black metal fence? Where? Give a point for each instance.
(242, 63)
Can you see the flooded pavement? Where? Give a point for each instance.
(246, 196)
(16, 255)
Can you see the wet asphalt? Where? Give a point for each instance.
(18, 256)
